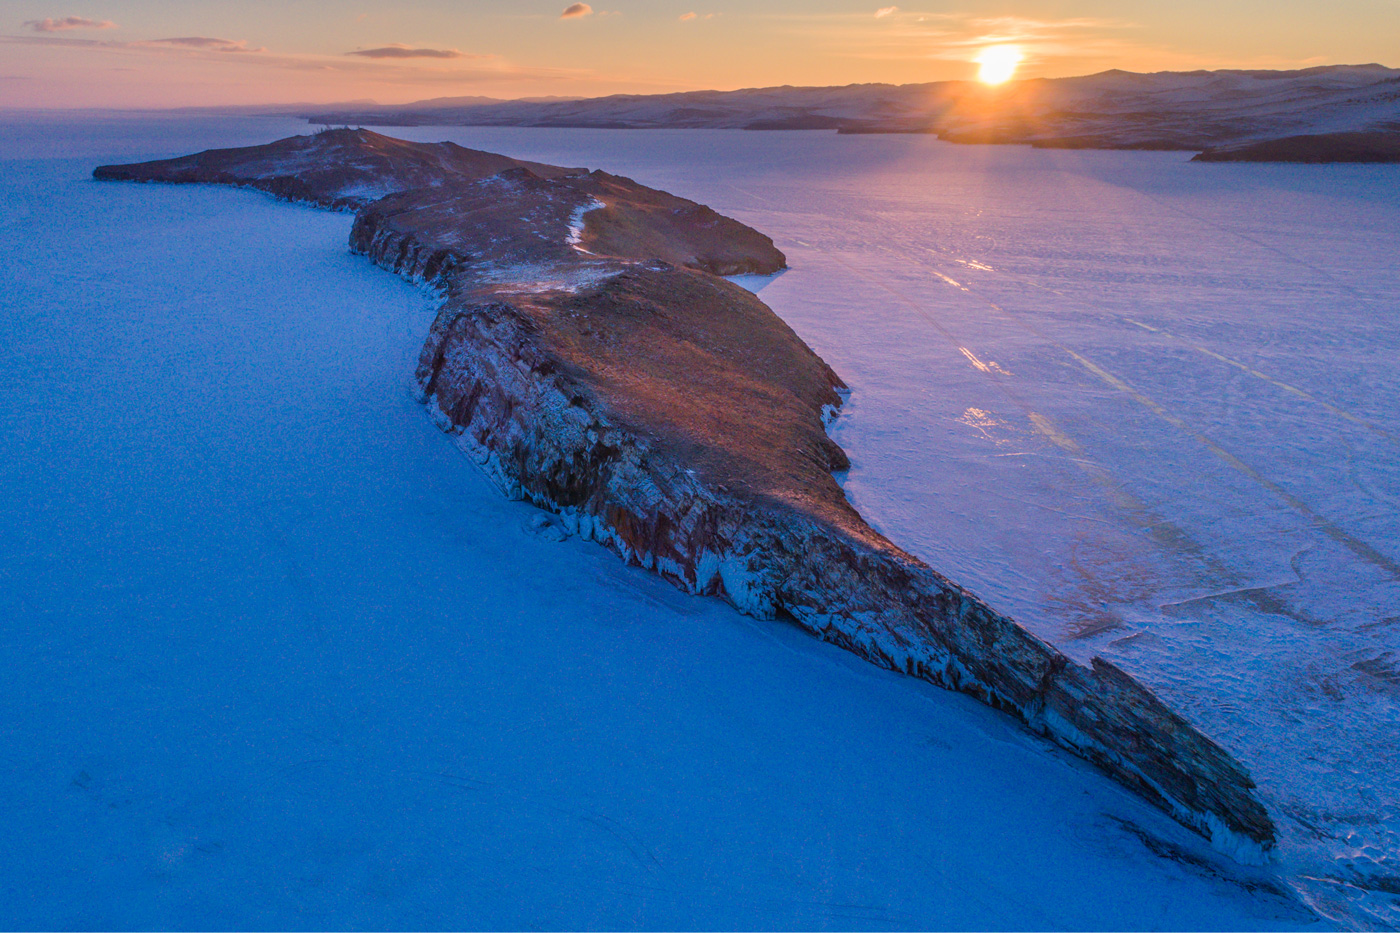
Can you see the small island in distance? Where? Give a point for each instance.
(1381, 146)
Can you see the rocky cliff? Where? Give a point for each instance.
(588, 357)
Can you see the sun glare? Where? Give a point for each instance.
(997, 63)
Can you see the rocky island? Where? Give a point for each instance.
(589, 356)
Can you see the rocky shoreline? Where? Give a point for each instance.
(590, 359)
(1315, 149)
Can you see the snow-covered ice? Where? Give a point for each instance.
(277, 655)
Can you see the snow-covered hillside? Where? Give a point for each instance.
(1110, 110)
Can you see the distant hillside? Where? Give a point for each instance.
(1194, 110)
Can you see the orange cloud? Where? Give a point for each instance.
(576, 10)
(886, 11)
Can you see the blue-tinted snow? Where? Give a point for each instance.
(277, 656)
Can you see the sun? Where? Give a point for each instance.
(997, 63)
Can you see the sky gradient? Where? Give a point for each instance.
(142, 53)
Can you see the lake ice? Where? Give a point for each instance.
(278, 656)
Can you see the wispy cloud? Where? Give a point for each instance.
(576, 10)
(468, 69)
(912, 36)
(687, 17)
(395, 50)
(203, 43)
(1082, 37)
(69, 22)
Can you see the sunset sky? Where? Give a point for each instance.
(143, 53)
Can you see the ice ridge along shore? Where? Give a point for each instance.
(591, 359)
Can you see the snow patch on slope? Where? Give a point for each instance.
(576, 223)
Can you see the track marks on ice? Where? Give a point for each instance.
(1316, 520)
(1323, 524)
(1291, 389)
(1095, 593)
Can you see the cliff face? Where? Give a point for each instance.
(588, 359)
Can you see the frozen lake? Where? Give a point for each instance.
(269, 635)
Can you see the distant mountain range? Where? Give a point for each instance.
(1195, 110)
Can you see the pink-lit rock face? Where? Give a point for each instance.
(590, 359)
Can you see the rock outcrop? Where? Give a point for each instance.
(1320, 148)
(339, 170)
(590, 359)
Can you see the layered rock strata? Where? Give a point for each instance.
(589, 357)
